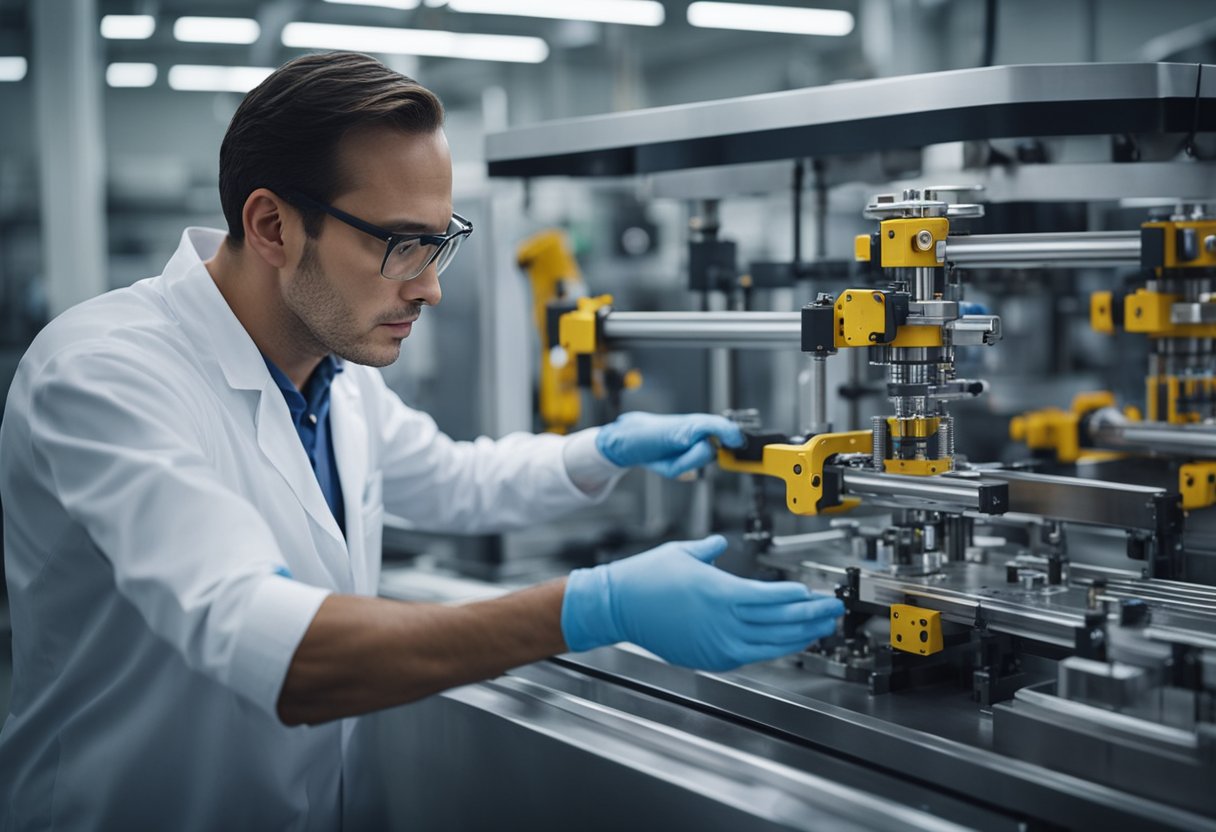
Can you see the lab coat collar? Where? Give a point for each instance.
(211, 325)
(205, 313)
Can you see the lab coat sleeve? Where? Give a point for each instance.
(126, 455)
(440, 484)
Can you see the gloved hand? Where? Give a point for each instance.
(669, 445)
(676, 604)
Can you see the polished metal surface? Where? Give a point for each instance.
(738, 330)
(857, 117)
(1193, 313)
(919, 492)
(1032, 251)
(1110, 429)
(1119, 505)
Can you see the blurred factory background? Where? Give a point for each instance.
(111, 117)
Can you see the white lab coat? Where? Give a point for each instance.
(152, 484)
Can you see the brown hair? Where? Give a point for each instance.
(285, 134)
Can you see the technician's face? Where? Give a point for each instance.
(401, 182)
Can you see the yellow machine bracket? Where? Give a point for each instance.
(1056, 430)
(554, 275)
(578, 331)
(916, 630)
(1197, 485)
(801, 467)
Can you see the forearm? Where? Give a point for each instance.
(363, 654)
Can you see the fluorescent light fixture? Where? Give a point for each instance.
(128, 26)
(12, 69)
(131, 75)
(631, 12)
(429, 42)
(198, 78)
(216, 30)
(387, 4)
(784, 19)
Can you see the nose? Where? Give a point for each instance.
(423, 289)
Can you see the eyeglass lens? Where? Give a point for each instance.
(409, 258)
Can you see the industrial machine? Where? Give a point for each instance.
(1030, 637)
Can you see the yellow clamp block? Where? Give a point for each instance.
(1197, 485)
(1148, 312)
(1166, 235)
(900, 242)
(916, 630)
(1053, 429)
(1049, 429)
(861, 248)
(801, 467)
(578, 331)
(1101, 312)
(860, 314)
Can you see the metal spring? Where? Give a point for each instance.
(945, 437)
(878, 451)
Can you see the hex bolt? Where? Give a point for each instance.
(924, 239)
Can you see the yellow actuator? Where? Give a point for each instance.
(554, 274)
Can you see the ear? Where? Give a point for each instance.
(265, 216)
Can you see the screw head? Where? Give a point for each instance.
(924, 239)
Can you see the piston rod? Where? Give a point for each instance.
(1110, 429)
(738, 330)
(1027, 251)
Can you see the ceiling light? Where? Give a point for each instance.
(216, 30)
(131, 75)
(12, 69)
(388, 4)
(784, 19)
(429, 42)
(631, 12)
(217, 78)
(128, 26)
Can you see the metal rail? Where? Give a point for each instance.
(929, 492)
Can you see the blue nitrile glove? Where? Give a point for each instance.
(669, 445)
(968, 308)
(676, 604)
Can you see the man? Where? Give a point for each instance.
(194, 472)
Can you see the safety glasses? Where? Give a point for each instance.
(405, 255)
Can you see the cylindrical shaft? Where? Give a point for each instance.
(819, 395)
(1034, 250)
(1109, 429)
(737, 330)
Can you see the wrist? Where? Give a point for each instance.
(607, 446)
(586, 619)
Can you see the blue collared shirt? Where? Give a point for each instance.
(310, 414)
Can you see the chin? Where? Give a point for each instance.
(371, 355)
